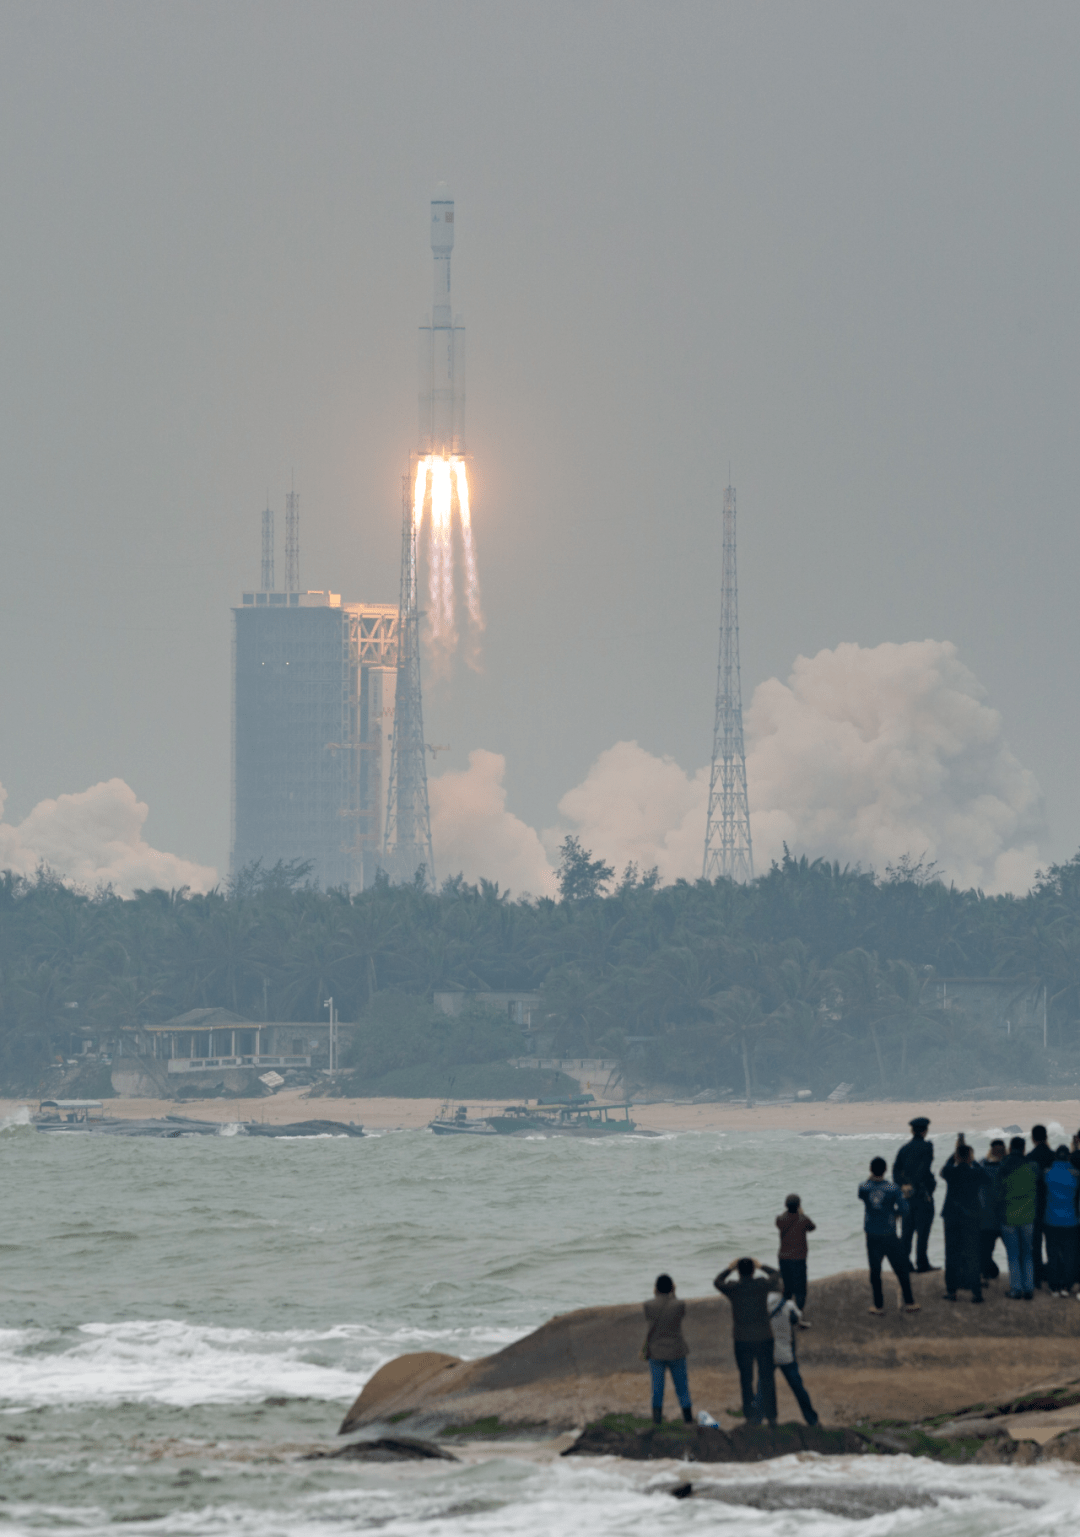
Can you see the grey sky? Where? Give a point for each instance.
(835, 244)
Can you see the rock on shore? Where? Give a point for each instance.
(585, 1365)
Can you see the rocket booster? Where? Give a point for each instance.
(442, 346)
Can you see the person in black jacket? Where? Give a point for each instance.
(913, 1171)
(965, 1180)
(1042, 1154)
(989, 1226)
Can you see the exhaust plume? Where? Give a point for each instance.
(864, 755)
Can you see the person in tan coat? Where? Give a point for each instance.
(665, 1349)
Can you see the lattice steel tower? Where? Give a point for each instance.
(727, 832)
(292, 541)
(268, 549)
(407, 836)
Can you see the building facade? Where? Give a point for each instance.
(313, 698)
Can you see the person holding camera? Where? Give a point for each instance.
(961, 1216)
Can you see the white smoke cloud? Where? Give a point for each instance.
(864, 755)
(632, 807)
(95, 838)
(473, 834)
(867, 754)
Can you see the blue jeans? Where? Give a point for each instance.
(678, 1382)
(1019, 1248)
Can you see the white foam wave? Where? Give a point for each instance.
(170, 1362)
(19, 1116)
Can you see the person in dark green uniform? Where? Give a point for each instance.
(913, 1171)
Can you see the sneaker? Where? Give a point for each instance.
(912, 1307)
(1015, 1296)
(949, 1296)
(804, 1325)
(1028, 1296)
(927, 1269)
(877, 1312)
(977, 1301)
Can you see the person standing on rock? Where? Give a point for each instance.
(784, 1316)
(989, 1226)
(794, 1225)
(884, 1203)
(913, 1171)
(752, 1334)
(1042, 1154)
(1060, 1226)
(1018, 1191)
(965, 1180)
(665, 1349)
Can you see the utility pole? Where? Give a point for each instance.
(407, 836)
(727, 831)
(332, 1052)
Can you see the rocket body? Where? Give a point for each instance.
(442, 347)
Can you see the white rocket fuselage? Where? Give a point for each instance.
(442, 348)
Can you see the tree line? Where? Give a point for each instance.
(810, 974)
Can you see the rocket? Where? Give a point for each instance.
(442, 347)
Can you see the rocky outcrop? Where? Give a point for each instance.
(582, 1366)
(619, 1436)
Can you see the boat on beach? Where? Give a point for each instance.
(577, 1117)
(67, 1116)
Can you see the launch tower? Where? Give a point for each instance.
(407, 837)
(728, 850)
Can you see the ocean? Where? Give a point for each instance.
(180, 1319)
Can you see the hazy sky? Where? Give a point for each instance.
(833, 244)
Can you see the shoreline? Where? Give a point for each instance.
(888, 1118)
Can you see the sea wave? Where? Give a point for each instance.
(168, 1361)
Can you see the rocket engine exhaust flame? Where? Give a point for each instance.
(472, 578)
(449, 483)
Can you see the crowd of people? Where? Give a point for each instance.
(1026, 1198)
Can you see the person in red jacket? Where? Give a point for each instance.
(794, 1225)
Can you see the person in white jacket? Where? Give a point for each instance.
(784, 1317)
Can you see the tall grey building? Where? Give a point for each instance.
(313, 703)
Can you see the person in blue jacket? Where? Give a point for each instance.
(884, 1204)
(1060, 1224)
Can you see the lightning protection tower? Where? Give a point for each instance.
(292, 541)
(727, 831)
(407, 836)
(268, 549)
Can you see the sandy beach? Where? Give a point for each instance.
(890, 1117)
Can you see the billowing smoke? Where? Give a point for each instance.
(864, 755)
(868, 754)
(94, 838)
(473, 833)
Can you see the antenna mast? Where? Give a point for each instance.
(728, 851)
(407, 839)
(292, 541)
(268, 549)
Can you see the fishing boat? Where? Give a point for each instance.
(580, 1116)
(459, 1125)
